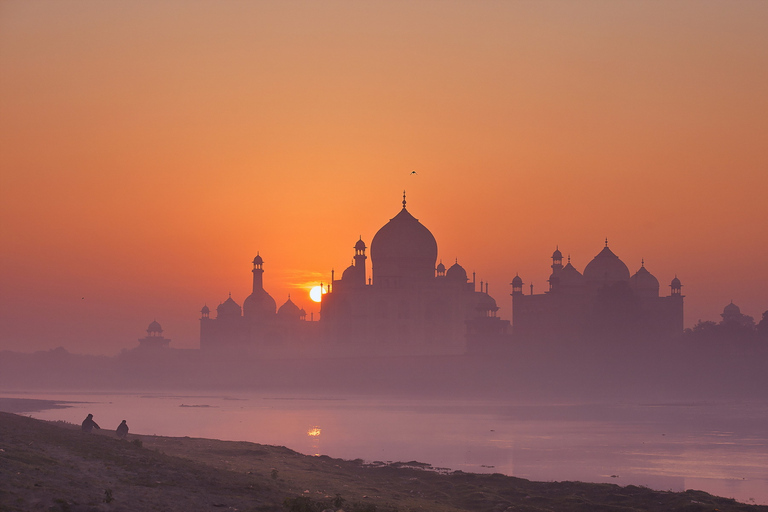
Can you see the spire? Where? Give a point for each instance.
(403, 199)
(606, 241)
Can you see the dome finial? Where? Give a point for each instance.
(403, 199)
(606, 241)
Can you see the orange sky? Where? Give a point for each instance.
(149, 149)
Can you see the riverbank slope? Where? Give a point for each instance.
(55, 466)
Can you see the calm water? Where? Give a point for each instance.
(721, 448)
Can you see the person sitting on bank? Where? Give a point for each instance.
(122, 430)
(89, 424)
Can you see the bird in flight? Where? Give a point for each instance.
(414, 172)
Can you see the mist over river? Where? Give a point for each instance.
(718, 447)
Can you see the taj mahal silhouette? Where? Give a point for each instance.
(409, 304)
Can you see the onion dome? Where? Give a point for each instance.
(360, 245)
(205, 310)
(259, 304)
(568, 277)
(676, 283)
(228, 309)
(349, 274)
(518, 281)
(403, 248)
(485, 302)
(644, 283)
(731, 310)
(440, 268)
(606, 268)
(154, 327)
(289, 311)
(457, 273)
(258, 260)
(557, 255)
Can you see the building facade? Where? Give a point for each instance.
(603, 301)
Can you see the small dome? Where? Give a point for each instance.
(557, 255)
(676, 283)
(731, 309)
(517, 281)
(440, 267)
(258, 260)
(644, 283)
(228, 308)
(457, 273)
(569, 277)
(606, 268)
(289, 311)
(154, 327)
(205, 310)
(360, 245)
(349, 274)
(259, 304)
(485, 302)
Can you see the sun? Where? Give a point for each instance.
(316, 293)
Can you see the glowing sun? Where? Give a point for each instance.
(316, 294)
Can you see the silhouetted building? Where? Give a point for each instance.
(604, 301)
(408, 306)
(154, 339)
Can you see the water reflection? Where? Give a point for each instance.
(720, 448)
(314, 435)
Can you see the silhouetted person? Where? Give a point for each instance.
(89, 424)
(122, 430)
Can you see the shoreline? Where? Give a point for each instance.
(54, 463)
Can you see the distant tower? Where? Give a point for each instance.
(677, 288)
(360, 258)
(557, 266)
(517, 285)
(205, 312)
(259, 305)
(154, 339)
(440, 269)
(258, 273)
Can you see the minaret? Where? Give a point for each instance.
(557, 266)
(258, 273)
(517, 285)
(360, 258)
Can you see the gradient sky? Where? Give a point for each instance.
(149, 149)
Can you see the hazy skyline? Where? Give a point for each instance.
(149, 150)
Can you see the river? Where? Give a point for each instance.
(718, 447)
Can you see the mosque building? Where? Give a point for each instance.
(408, 304)
(603, 301)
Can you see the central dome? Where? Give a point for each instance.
(403, 248)
(606, 269)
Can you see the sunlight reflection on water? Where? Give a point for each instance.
(720, 448)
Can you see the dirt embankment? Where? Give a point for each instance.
(56, 467)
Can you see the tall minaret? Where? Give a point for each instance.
(557, 266)
(360, 258)
(258, 272)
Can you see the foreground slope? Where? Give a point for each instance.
(55, 466)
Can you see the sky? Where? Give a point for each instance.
(150, 149)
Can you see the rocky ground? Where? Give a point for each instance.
(53, 466)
